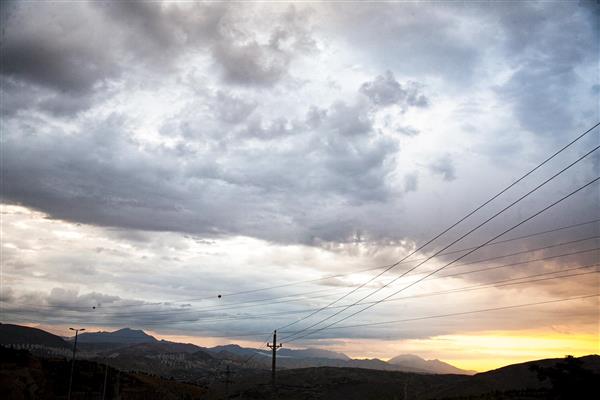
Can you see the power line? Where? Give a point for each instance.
(295, 298)
(495, 284)
(500, 283)
(166, 302)
(452, 243)
(259, 303)
(457, 259)
(385, 266)
(255, 334)
(457, 222)
(461, 313)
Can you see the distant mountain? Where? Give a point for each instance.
(237, 350)
(17, 334)
(411, 361)
(159, 347)
(175, 347)
(313, 353)
(305, 358)
(282, 353)
(125, 336)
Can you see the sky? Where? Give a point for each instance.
(156, 155)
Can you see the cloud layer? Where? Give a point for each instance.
(168, 137)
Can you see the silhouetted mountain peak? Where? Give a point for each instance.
(125, 335)
(313, 353)
(435, 366)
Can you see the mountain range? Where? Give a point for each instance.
(126, 344)
(137, 342)
(159, 365)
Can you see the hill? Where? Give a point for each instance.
(122, 336)
(23, 335)
(409, 361)
(23, 376)
(516, 376)
(518, 382)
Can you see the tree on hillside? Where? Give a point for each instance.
(569, 379)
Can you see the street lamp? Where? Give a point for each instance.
(73, 360)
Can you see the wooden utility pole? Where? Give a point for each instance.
(227, 382)
(73, 361)
(105, 378)
(274, 346)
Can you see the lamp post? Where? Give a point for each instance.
(73, 360)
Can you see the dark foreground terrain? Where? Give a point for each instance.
(570, 378)
(25, 376)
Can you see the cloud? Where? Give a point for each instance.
(245, 60)
(251, 63)
(444, 167)
(546, 64)
(348, 120)
(200, 150)
(67, 55)
(233, 109)
(400, 38)
(384, 90)
(70, 299)
(101, 176)
(411, 182)
(71, 65)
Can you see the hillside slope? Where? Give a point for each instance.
(23, 376)
(17, 334)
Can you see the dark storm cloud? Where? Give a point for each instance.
(101, 176)
(45, 61)
(240, 169)
(60, 63)
(74, 51)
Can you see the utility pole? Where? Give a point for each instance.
(118, 391)
(227, 381)
(274, 346)
(104, 387)
(73, 361)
